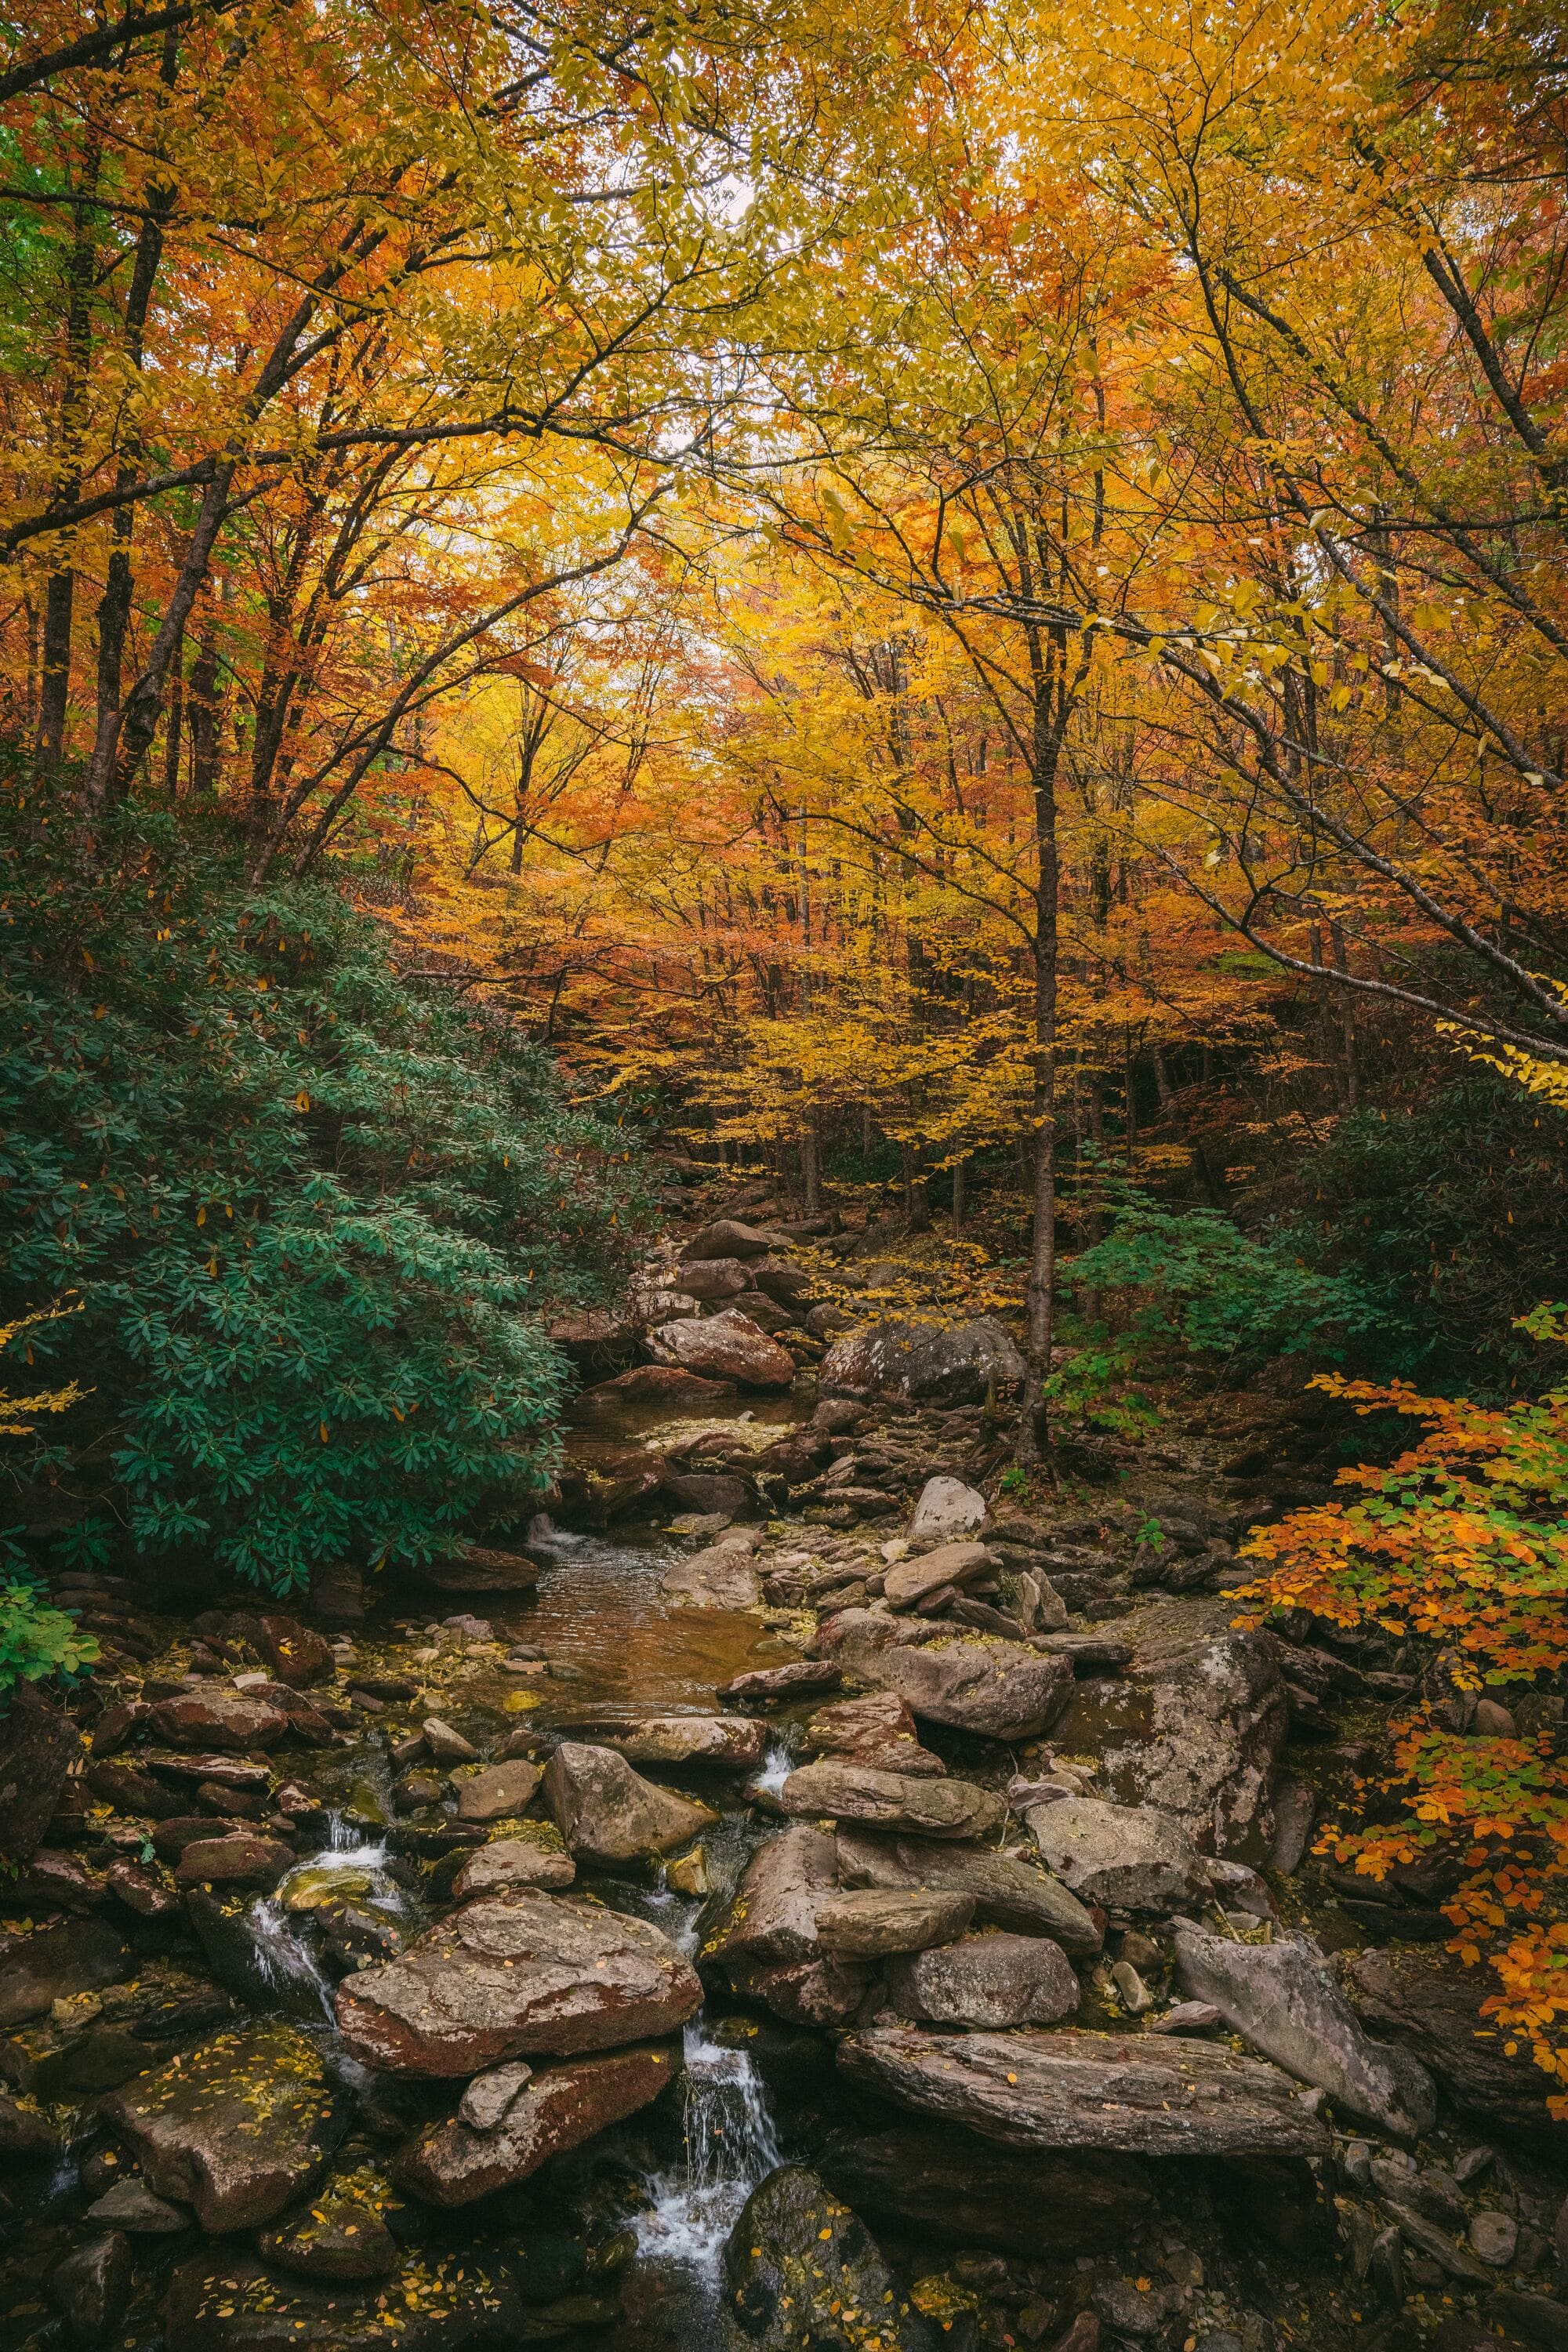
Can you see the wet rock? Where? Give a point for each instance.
(657, 1384)
(821, 1992)
(1073, 2088)
(718, 1494)
(867, 1922)
(91, 2288)
(477, 1568)
(515, 1862)
(25, 2136)
(54, 1882)
(339, 2235)
(488, 1792)
(877, 1731)
(1194, 1727)
(447, 1743)
(800, 1678)
(451, 2164)
(130, 2205)
(992, 1981)
(55, 1963)
(226, 2300)
(1429, 2004)
(128, 1790)
(489, 2098)
(1283, 1999)
(237, 2128)
(219, 1717)
(240, 1860)
(1128, 1857)
(888, 1800)
(297, 1656)
(961, 1365)
(947, 1509)
(719, 1577)
(727, 1347)
(723, 1740)
(38, 1745)
(800, 2268)
(909, 1581)
(1005, 1690)
(773, 1915)
(512, 1975)
(1007, 1893)
(609, 1813)
(1041, 2204)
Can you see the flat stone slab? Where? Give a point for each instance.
(890, 1800)
(1073, 2088)
(909, 1581)
(800, 1678)
(871, 1921)
(516, 1861)
(731, 1742)
(237, 2128)
(1128, 1857)
(510, 1976)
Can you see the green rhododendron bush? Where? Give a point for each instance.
(311, 1221)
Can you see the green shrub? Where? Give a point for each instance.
(37, 1641)
(314, 1218)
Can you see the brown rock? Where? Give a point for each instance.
(609, 1813)
(990, 1981)
(657, 1384)
(339, 2235)
(237, 2128)
(477, 1567)
(726, 1238)
(721, 1576)
(1045, 2204)
(1006, 1690)
(142, 1890)
(1077, 2089)
(119, 1784)
(727, 1347)
(819, 1992)
(876, 1729)
(725, 1740)
(297, 1656)
(870, 1922)
(219, 1717)
(798, 1679)
(773, 1915)
(488, 1792)
(512, 1975)
(242, 1859)
(714, 1278)
(55, 1963)
(515, 1862)
(451, 2164)
(886, 1800)
(25, 2136)
(1007, 1893)
(910, 1582)
(38, 1745)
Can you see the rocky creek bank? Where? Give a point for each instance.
(798, 1898)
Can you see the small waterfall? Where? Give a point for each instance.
(776, 1767)
(284, 1957)
(730, 2148)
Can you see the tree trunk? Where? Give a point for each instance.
(959, 1167)
(205, 712)
(810, 1171)
(1033, 1435)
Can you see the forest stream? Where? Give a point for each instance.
(796, 1899)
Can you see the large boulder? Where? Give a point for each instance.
(1128, 1857)
(990, 1981)
(1007, 1893)
(1077, 2089)
(490, 1792)
(450, 2163)
(477, 1568)
(1281, 1997)
(609, 1813)
(38, 1745)
(539, 1860)
(922, 1806)
(54, 1963)
(1005, 1690)
(707, 1278)
(725, 1347)
(237, 2128)
(1045, 2204)
(961, 1365)
(219, 1717)
(1429, 2003)
(726, 1237)
(511, 1975)
(657, 1384)
(1195, 1726)
(721, 1576)
(802, 2269)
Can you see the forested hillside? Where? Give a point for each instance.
(942, 628)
